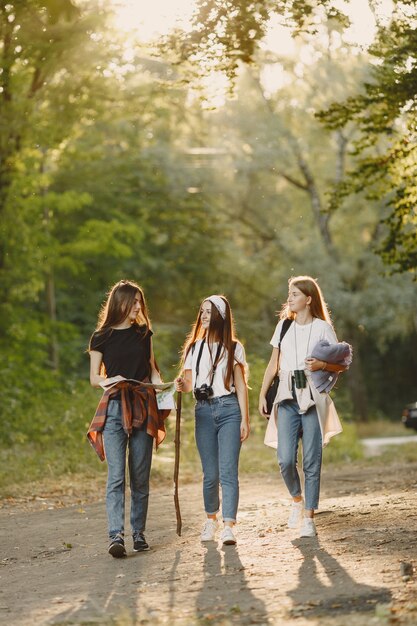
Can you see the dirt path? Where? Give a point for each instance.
(55, 569)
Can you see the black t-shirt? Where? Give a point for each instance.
(126, 352)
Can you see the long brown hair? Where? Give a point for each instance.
(117, 305)
(220, 330)
(309, 287)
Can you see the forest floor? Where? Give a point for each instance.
(359, 571)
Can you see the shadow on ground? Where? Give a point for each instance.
(225, 592)
(324, 587)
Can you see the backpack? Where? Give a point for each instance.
(273, 388)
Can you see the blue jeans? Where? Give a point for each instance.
(292, 425)
(217, 434)
(139, 461)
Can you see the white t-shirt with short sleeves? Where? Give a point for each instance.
(207, 358)
(304, 338)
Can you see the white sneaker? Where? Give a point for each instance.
(227, 536)
(209, 530)
(296, 514)
(308, 528)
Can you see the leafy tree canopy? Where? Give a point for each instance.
(386, 113)
(227, 33)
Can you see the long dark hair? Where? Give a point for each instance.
(117, 305)
(220, 330)
(309, 287)
(115, 309)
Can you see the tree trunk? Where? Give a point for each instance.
(51, 310)
(50, 284)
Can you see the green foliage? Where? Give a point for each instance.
(49, 439)
(385, 114)
(225, 35)
(112, 169)
(344, 448)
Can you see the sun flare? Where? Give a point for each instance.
(152, 19)
(140, 21)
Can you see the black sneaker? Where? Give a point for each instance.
(139, 543)
(117, 547)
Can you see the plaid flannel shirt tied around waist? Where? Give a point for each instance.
(138, 406)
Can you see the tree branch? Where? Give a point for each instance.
(292, 180)
(309, 186)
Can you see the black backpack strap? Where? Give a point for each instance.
(285, 326)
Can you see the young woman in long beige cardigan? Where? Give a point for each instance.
(302, 413)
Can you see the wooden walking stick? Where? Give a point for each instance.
(177, 463)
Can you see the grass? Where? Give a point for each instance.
(57, 449)
(404, 453)
(383, 428)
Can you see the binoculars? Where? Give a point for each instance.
(300, 379)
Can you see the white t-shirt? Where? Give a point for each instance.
(206, 362)
(299, 341)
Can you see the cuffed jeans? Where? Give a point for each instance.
(292, 425)
(139, 461)
(217, 434)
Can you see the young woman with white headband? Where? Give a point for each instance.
(214, 368)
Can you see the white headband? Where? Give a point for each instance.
(219, 303)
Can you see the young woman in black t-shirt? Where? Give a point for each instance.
(122, 345)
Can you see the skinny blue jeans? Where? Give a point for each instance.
(217, 434)
(293, 426)
(116, 442)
